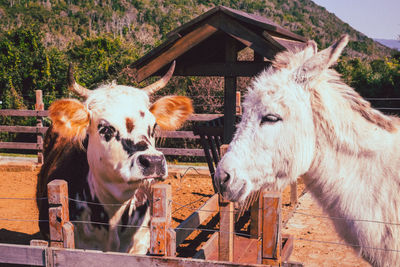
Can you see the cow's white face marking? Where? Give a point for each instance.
(121, 136)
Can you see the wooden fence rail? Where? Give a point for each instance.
(40, 130)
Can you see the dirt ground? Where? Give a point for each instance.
(18, 217)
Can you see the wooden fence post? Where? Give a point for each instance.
(61, 230)
(162, 236)
(226, 224)
(293, 194)
(39, 123)
(238, 103)
(271, 228)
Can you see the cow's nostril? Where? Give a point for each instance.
(144, 161)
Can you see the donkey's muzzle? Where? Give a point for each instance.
(221, 181)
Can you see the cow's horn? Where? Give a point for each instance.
(154, 87)
(74, 86)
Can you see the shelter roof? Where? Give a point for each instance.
(200, 46)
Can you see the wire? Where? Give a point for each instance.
(344, 244)
(346, 219)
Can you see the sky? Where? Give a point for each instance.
(375, 18)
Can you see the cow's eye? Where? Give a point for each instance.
(270, 118)
(106, 131)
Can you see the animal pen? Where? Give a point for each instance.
(265, 245)
(205, 46)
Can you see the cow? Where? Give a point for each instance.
(104, 147)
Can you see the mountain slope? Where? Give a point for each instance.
(144, 23)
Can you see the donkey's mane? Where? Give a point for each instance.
(331, 79)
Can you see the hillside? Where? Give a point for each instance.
(145, 23)
(394, 44)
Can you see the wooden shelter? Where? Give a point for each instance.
(208, 46)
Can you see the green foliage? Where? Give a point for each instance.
(100, 59)
(23, 63)
(377, 78)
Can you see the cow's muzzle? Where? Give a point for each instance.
(152, 165)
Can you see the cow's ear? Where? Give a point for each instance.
(70, 119)
(171, 111)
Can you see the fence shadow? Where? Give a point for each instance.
(13, 237)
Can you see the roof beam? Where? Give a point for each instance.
(246, 36)
(236, 69)
(178, 48)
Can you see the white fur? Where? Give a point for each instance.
(111, 168)
(346, 152)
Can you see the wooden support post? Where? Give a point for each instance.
(255, 218)
(229, 93)
(61, 230)
(293, 194)
(271, 226)
(226, 224)
(39, 123)
(238, 103)
(162, 237)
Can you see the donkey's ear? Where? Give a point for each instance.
(171, 111)
(313, 67)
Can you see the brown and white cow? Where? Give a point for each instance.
(104, 148)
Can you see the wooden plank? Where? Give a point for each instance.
(22, 254)
(209, 130)
(221, 69)
(271, 228)
(226, 224)
(194, 21)
(24, 113)
(180, 151)
(19, 145)
(196, 219)
(39, 106)
(171, 243)
(255, 218)
(38, 243)
(238, 103)
(178, 48)
(30, 255)
(229, 93)
(176, 134)
(23, 129)
(261, 22)
(68, 235)
(226, 231)
(204, 117)
(76, 258)
(160, 218)
(293, 194)
(45, 113)
(208, 248)
(287, 246)
(247, 37)
(57, 194)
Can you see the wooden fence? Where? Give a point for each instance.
(271, 248)
(40, 130)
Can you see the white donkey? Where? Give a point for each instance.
(301, 119)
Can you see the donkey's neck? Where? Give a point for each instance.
(354, 173)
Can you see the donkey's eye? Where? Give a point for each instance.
(270, 118)
(106, 131)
